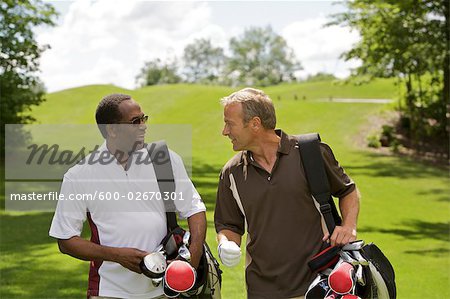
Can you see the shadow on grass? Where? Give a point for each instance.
(443, 194)
(381, 165)
(31, 264)
(416, 230)
(200, 169)
(30, 279)
(206, 178)
(18, 232)
(437, 252)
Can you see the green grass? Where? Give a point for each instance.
(405, 205)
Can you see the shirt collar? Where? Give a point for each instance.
(104, 148)
(285, 144)
(283, 148)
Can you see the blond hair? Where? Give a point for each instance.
(254, 103)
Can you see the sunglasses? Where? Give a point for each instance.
(136, 121)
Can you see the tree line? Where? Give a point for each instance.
(258, 57)
(407, 40)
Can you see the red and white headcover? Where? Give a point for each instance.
(341, 279)
(180, 276)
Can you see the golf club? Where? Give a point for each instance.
(157, 281)
(360, 258)
(352, 246)
(184, 252)
(346, 257)
(153, 265)
(186, 238)
(360, 276)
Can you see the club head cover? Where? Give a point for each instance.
(318, 288)
(168, 292)
(153, 265)
(180, 276)
(341, 279)
(172, 241)
(332, 295)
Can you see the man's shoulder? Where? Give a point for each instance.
(324, 147)
(80, 170)
(234, 162)
(175, 158)
(88, 165)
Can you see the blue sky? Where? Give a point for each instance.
(104, 41)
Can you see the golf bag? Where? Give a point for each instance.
(208, 274)
(354, 270)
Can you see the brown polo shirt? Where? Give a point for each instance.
(283, 225)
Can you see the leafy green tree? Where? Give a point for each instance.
(158, 72)
(261, 57)
(20, 86)
(203, 62)
(408, 40)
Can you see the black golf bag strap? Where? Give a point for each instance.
(160, 157)
(316, 176)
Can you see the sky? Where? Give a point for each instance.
(108, 41)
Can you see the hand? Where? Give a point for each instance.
(229, 253)
(342, 235)
(130, 258)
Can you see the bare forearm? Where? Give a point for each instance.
(197, 228)
(349, 206)
(89, 251)
(85, 250)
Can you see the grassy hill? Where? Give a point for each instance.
(405, 205)
(198, 107)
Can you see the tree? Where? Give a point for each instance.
(261, 57)
(157, 72)
(20, 87)
(321, 76)
(408, 40)
(203, 62)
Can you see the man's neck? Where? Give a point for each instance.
(265, 149)
(120, 155)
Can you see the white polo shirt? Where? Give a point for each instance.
(124, 209)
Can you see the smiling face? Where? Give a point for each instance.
(129, 136)
(240, 134)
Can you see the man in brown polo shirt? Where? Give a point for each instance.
(263, 190)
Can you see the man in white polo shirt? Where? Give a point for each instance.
(125, 225)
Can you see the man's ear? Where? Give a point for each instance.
(111, 130)
(255, 123)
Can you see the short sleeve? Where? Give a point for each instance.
(340, 183)
(70, 214)
(187, 200)
(227, 214)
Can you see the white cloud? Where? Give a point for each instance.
(104, 41)
(318, 47)
(109, 41)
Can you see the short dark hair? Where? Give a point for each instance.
(108, 111)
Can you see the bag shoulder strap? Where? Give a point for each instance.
(160, 157)
(316, 176)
